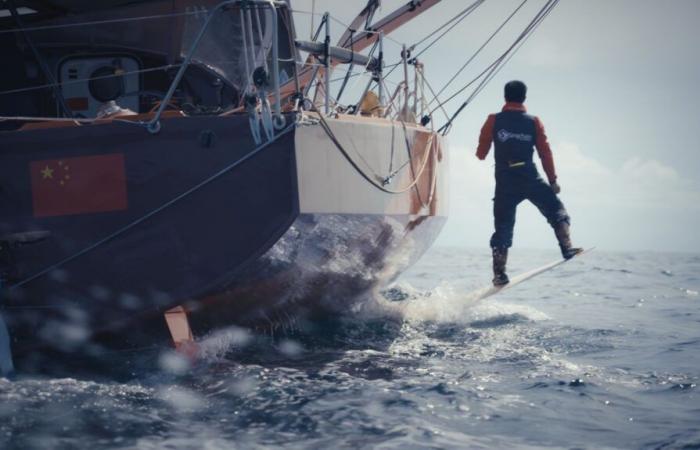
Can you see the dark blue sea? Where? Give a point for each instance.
(602, 352)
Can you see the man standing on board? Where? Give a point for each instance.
(516, 135)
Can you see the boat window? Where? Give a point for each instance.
(125, 59)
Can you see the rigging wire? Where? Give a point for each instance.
(492, 70)
(82, 80)
(366, 30)
(118, 20)
(40, 60)
(432, 91)
(99, 22)
(339, 22)
(464, 14)
(539, 19)
(459, 17)
(476, 53)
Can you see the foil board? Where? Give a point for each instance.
(490, 290)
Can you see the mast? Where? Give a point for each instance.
(390, 23)
(361, 40)
(366, 16)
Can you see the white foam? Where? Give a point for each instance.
(444, 303)
(220, 342)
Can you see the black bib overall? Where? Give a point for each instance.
(517, 179)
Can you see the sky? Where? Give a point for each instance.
(615, 83)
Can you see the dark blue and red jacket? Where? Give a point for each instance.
(516, 135)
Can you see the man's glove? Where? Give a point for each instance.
(556, 188)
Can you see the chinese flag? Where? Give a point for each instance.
(86, 184)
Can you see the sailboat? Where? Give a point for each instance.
(165, 171)
(169, 168)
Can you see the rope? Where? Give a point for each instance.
(357, 74)
(429, 150)
(339, 22)
(430, 88)
(39, 58)
(99, 22)
(476, 53)
(498, 64)
(544, 14)
(154, 212)
(121, 20)
(459, 18)
(410, 159)
(81, 80)
(76, 121)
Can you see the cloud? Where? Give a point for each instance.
(544, 52)
(640, 204)
(637, 183)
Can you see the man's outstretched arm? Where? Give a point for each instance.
(486, 137)
(545, 152)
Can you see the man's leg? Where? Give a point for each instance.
(542, 196)
(504, 205)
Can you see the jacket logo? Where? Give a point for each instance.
(504, 135)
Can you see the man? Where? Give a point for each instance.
(515, 135)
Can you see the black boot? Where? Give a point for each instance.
(500, 258)
(561, 230)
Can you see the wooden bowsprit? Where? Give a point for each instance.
(490, 290)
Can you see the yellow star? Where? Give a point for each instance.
(47, 172)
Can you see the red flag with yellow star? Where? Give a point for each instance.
(86, 184)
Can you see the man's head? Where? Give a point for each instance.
(515, 91)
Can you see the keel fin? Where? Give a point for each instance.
(180, 331)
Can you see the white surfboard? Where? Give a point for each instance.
(490, 290)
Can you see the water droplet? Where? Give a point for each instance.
(291, 348)
(174, 363)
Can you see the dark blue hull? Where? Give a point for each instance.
(183, 252)
(234, 251)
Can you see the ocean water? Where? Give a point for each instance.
(602, 352)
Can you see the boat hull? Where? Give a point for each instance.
(351, 236)
(324, 264)
(297, 230)
(161, 253)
